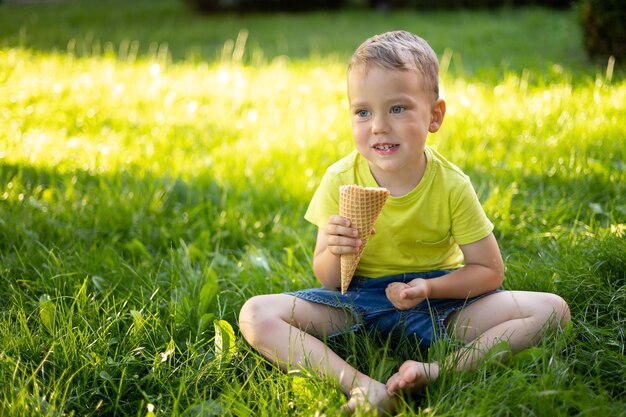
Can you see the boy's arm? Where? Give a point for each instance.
(333, 240)
(483, 272)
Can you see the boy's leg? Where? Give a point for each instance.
(517, 317)
(287, 331)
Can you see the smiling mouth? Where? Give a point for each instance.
(384, 146)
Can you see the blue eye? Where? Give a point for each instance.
(396, 109)
(362, 113)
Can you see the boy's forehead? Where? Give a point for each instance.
(360, 72)
(358, 76)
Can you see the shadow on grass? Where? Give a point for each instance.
(112, 281)
(121, 226)
(154, 241)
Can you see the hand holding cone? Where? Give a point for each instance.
(361, 205)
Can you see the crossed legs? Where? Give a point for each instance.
(519, 318)
(287, 330)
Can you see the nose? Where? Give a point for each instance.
(380, 124)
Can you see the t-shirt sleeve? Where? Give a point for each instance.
(325, 201)
(469, 221)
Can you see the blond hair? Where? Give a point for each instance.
(399, 50)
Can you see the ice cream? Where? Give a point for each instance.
(361, 205)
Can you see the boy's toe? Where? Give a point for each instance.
(394, 383)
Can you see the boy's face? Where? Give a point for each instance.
(391, 116)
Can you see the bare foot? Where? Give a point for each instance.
(412, 377)
(372, 397)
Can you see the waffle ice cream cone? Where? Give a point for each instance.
(361, 205)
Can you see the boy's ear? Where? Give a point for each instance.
(437, 115)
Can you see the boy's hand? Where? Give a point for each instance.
(405, 296)
(340, 237)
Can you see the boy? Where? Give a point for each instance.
(432, 267)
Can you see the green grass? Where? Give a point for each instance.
(483, 43)
(154, 173)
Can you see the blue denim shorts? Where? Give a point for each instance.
(372, 310)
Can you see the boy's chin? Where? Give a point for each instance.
(389, 167)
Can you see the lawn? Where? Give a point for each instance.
(155, 166)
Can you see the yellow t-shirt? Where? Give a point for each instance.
(418, 232)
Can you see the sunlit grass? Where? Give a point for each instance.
(224, 120)
(101, 115)
(143, 196)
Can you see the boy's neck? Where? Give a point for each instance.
(402, 182)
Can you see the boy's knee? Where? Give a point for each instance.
(565, 314)
(247, 316)
(560, 310)
(254, 319)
